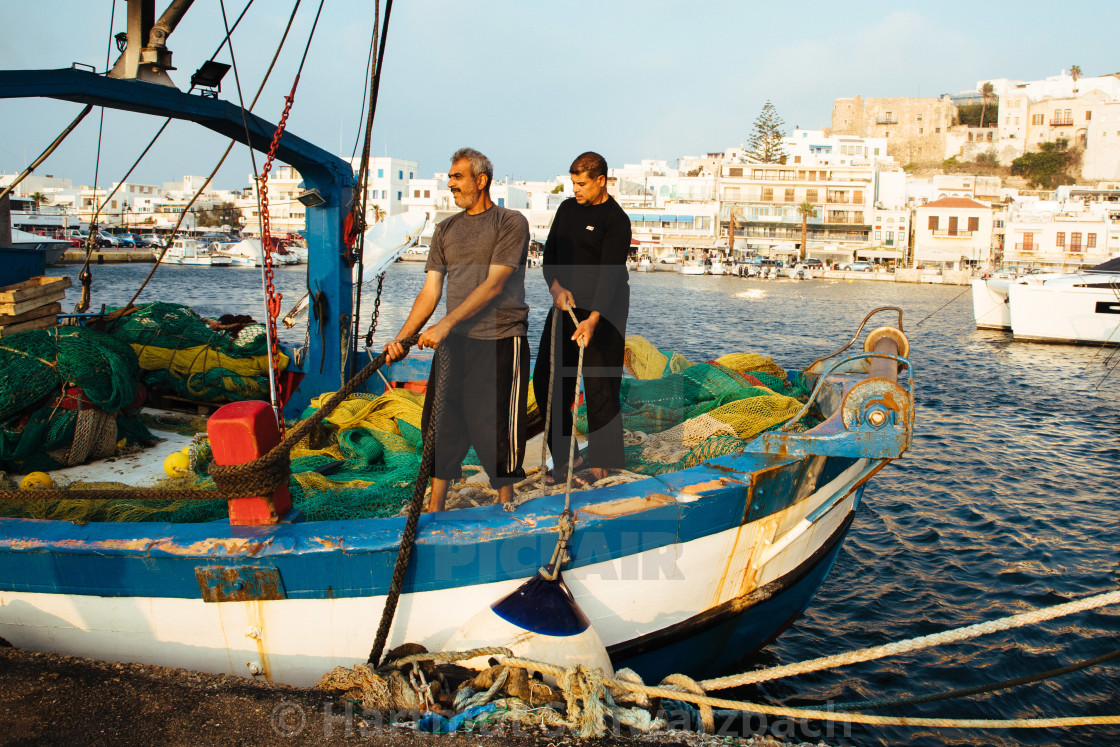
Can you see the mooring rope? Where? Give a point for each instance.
(979, 689)
(914, 644)
(679, 693)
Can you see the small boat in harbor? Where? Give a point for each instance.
(190, 252)
(250, 253)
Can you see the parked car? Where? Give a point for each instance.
(813, 264)
(127, 240)
(858, 267)
(152, 239)
(104, 238)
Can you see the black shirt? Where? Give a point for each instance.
(586, 252)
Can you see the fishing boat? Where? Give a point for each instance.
(685, 570)
(191, 252)
(1080, 307)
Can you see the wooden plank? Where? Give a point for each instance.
(46, 310)
(34, 303)
(40, 323)
(36, 287)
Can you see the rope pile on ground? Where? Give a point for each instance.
(587, 703)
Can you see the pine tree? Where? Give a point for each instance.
(766, 140)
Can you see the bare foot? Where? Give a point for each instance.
(598, 473)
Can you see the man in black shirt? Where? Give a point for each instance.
(585, 268)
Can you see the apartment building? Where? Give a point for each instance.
(679, 229)
(953, 233)
(762, 201)
(1061, 235)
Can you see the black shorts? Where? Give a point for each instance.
(484, 406)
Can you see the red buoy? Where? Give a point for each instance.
(241, 432)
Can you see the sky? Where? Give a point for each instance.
(531, 83)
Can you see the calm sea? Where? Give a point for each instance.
(1006, 502)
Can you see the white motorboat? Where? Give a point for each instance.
(645, 264)
(1076, 307)
(718, 268)
(667, 263)
(990, 305)
(190, 252)
(693, 268)
(250, 253)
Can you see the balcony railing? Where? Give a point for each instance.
(1061, 121)
(886, 119)
(952, 233)
(1021, 247)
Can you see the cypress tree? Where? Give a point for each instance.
(766, 140)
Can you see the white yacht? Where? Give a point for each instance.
(1075, 307)
(990, 307)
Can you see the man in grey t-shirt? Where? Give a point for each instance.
(481, 339)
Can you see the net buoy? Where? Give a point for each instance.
(176, 464)
(538, 620)
(36, 480)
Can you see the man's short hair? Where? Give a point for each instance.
(480, 164)
(590, 162)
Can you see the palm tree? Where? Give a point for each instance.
(378, 213)
(39, 198)
(805, 209)
(1075, 73)
(987, 93)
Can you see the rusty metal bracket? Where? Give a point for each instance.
(239, 583)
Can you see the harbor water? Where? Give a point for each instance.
(1006, 502)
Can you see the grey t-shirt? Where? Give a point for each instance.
(463, 248)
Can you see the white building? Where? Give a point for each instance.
(1061, 235)
(953, 233)
(388, 183)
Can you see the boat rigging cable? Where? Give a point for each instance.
(363, 177)
(85, 274)
(91, 241)
(272, 298)
(186, 208)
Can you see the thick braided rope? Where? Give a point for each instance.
(572, 440)
(258, 477)
(914, 644)
(548, 404)
(427, 460)
(807, 714)
(449, 656)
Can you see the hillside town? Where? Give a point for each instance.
(1033, 181)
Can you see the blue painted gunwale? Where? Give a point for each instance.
(355, 558)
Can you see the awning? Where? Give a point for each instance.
(880, 252)
(670, 218)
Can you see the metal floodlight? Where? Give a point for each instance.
(311, 198)
(209, 77)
